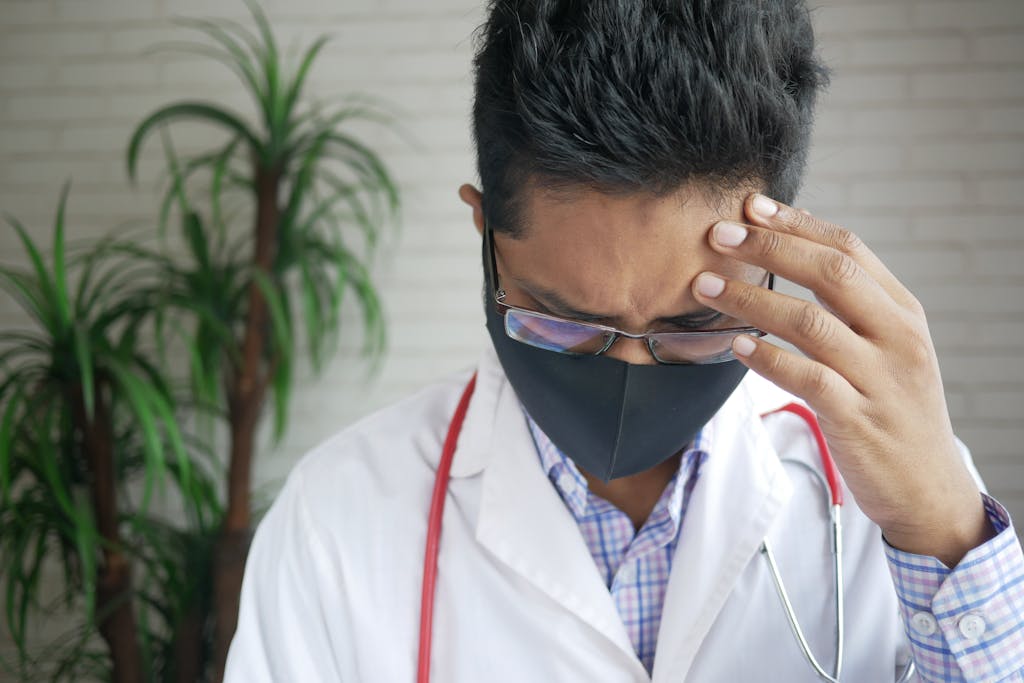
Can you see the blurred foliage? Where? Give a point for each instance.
(103, 350)
(84, 352)
(325, 183)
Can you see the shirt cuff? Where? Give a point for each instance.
(965, 623)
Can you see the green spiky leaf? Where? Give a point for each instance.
(199, 111)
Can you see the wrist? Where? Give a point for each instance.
(948, 538)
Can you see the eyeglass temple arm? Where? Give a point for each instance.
(491, 261)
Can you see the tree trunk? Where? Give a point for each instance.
(246, 394)
(188, 645)
(118, 629)
(114, 594)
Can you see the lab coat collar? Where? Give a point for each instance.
(474, 444)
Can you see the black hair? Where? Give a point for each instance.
(641, 96)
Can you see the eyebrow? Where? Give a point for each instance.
(554, 303)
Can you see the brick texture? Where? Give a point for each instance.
(919, 147)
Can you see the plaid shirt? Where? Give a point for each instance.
(635, 565)
(965, 624)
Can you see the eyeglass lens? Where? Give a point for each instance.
(567, 336)
(564, 336)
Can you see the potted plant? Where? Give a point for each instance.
(309, 185)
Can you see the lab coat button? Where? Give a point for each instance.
(924, 623)
(972, 626)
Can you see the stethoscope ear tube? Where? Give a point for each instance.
(794, 626)
(908, 672)
(829, 483)
(834, 491)
(836, 552)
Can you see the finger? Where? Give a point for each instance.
(825, 390)
(777, 216)
(816, 332)
(835, 278)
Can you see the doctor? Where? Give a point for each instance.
(622, 465)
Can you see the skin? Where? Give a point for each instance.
(870, 371)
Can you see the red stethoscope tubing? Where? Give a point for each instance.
(434, 531)
(827, 463)
(440, 494)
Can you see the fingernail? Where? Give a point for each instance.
(764, 207)
(730, 234)
(710, 285)
(743, 345)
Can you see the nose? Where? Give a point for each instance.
(633, 351)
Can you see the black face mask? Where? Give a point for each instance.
(612, 418)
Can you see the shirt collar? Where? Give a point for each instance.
(572, 486)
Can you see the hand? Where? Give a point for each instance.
(870, 372)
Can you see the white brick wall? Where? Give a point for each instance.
(919, 147)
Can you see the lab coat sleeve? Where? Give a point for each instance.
(966, 623)
(282, 632)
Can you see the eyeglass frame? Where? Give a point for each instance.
(502, 308)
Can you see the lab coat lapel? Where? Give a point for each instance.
(741, 489)
(527, 526)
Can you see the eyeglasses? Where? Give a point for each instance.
(574, 337)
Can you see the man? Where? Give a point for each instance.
(618, 467)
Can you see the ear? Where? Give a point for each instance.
(472, 197)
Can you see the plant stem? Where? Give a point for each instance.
(246, 398)
(114, 576)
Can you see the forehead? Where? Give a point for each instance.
(626, 229)
(635, 255)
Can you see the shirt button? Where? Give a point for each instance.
(565, 481)
(626, 573)
(924, 623)
(972, 626)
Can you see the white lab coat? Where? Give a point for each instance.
(333, 579)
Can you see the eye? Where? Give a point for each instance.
(709, 322)
(717, 321)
